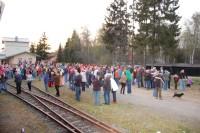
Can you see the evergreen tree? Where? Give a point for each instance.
(116, 29)
(158, 26)
(132, 28)
(43, 47)
(67, 52)
(142, 16)
(32, 48)
(60, 54)
(170, 29)
(86, 45)
(75, 48)
(72, 49)
(75, 41)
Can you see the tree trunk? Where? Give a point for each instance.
(192, 56)
(144, 63)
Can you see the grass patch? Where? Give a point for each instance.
(15, 115)
(127, 118)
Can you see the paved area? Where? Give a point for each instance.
(185, 108)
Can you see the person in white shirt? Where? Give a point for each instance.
(84, 79)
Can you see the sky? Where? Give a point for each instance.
(58, 18)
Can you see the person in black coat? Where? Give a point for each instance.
(18, 81)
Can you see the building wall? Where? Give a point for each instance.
(12, 48)
(22, 57)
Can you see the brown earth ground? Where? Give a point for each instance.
(15, 115)
(135, 113)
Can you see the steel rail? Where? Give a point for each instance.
(82, 118)
(61, 122)
(89, 117)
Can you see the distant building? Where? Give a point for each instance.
(16, 50)
(21, 57)
(51, 58)
(15, 45)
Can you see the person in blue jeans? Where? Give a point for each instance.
(106, 89)
(78, 81)
(3, 83)
(96, 90)
(46, 80)
(129, 79)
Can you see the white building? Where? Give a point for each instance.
(13, 46)
(16, 50)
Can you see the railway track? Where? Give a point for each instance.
(38, 105)
(66, 114)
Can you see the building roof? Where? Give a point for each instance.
(22, 53)
(15, 39)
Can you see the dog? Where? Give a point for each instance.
(179, 95)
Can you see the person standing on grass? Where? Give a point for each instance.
(77, 84)
(18, 81)
(46, 79)
(107, 88)
(114, 88)
(84, 79)
(57, 82)
(29, 79)
(96, 90)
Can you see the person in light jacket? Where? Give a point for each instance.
(123, 82)
(84, 79)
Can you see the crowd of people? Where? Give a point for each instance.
(79, 77)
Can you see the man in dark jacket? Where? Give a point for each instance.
(96, 90)
(18, 81)
(78, 80)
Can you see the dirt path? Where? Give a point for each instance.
(185, 109)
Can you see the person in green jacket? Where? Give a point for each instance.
(129, 79)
